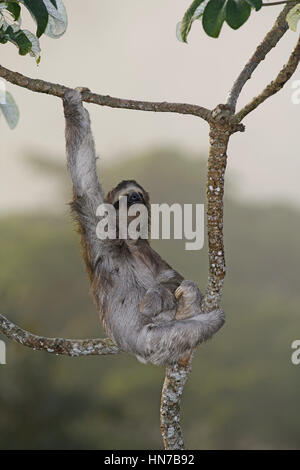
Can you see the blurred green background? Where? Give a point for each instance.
(243, 392)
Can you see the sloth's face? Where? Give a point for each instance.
(135, 194)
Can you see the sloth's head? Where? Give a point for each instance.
(134, 192)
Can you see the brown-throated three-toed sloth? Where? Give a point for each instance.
(146, 307)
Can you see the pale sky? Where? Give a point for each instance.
(128, 49)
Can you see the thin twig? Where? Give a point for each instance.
(270, 41)
(284, 75)
(67, 347)
(49, 88)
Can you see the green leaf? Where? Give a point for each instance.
(13, 8)
(35, 50)
(189, 17)
(18, 38)
(3, 36)
(39, 13)
(213, 17)
(257, 4)
(293, 17)
(58, 20)
(10, 110)
(237, 12)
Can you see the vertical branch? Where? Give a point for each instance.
(217, 160)
(175, 379)
(269, 42)
(176, 376)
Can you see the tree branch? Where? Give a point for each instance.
(175, 379)
(54, 89)
(271, 39)
(284, 75)
(216, 167)
(67, 347)
(176, 376)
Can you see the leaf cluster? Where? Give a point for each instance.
(214, 13)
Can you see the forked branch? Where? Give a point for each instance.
(269, 42)
(284, 75)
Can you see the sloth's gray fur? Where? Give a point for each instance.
(132, 285)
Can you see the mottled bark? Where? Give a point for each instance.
(216, 166)
(170, 426)
(67, 347)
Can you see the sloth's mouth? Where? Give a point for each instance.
(132, 203)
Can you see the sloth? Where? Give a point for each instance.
(146, 307)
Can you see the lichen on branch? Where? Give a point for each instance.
(67, 347)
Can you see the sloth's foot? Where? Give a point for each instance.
(189, 300)
(178, 293)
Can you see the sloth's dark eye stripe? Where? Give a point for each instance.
(141, 197)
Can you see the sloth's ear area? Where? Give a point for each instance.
(109, 197)
(146, 197)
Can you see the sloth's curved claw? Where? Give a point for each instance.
(178, 293)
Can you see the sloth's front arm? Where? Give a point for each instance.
(87, 190)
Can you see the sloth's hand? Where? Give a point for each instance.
(156, 300)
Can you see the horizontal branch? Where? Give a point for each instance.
(54, 89)
(284, 75)
(269, 42)
(67, 347)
